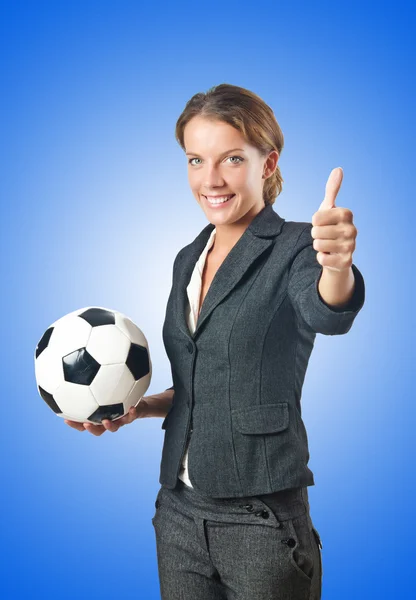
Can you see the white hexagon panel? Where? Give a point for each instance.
(92, 364)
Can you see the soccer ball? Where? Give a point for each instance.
(92, 364)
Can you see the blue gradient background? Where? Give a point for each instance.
(95, 206)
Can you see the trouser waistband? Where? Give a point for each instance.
(285, 504)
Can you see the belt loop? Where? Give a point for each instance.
(307, 507)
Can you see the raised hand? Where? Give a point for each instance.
(333, 230)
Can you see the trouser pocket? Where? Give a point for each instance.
(302, 556)
(319, 574)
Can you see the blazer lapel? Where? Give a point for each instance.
(255, 240)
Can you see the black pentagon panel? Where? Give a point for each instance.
(44, 341)
(110, 411)
(138, 361)
(49, 400)
(80, 367)
(98, 316)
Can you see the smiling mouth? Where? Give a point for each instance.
(219, 201)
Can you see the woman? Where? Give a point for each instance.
(248, 296)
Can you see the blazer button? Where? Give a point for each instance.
(262, 513)
(190, 347)
(248, 507)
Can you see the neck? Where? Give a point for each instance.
(226, 236)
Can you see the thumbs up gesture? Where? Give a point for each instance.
(333, 230)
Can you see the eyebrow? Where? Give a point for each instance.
(222, 154)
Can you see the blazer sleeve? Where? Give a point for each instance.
(312, 311)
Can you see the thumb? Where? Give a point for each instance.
(332, 188)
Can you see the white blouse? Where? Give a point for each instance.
(194, 294)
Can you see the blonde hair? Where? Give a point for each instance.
(249, 114)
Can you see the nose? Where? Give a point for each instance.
(212, 178)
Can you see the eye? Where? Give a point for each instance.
(239, 158)
(235, 163)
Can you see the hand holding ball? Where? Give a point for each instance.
(135, 412)
(93, 365)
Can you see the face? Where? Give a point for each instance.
(221, 163)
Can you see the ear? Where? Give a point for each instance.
(270, 165)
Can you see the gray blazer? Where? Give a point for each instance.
(238, 379)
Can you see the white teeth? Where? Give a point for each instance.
(219, 200)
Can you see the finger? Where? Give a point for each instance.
(133, 414)
(330, 216)
(75, 425)
(332, 246)
(94, 429)
(325, 232)
(129, 417)
(110, 425)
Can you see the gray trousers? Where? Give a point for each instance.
(249, 548)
